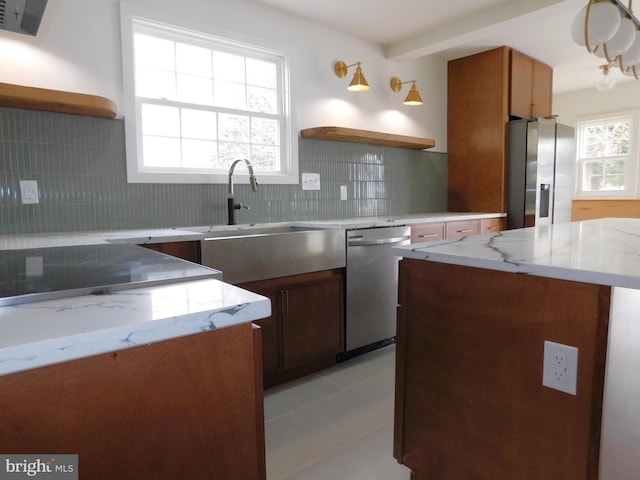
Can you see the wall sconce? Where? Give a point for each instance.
(413, 98)
(358, 83)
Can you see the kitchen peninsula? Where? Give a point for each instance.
(473, 320)
(158, 378)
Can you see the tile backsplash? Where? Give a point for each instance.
(79, 164)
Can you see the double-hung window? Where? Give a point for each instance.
(607, 156)
(197, 102)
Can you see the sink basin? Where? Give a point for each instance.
(248, 254)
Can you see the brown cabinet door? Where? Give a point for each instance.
(530, 87)
(427, 232)
(492, 225)
(312, 320)
(521, 86)
(478, 111)
(305, 331)
(541, 86)
(270, 337)
(463, 228)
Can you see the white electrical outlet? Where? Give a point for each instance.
(343, 192)
(29, 191)
(560, 369)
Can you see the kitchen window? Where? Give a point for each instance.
(607, 156)
(196, 102)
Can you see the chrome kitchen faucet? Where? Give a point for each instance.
(232, 206)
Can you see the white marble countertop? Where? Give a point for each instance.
(178, 234)
(54, 331)
(603, 252)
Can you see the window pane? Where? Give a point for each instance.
(196, 90)
(265, 158)
(199, 154)
(261, 73)
(159, 120)
(263, 100)
(233, 128)
(161, 151)
(199, 124)
(154, 52)
(193, 60)
(228, 152)
(264, 131)
(230, 95)
(617, 139)
(155, 83)
(228, 67)
(206, 103)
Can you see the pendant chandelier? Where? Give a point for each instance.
(609, 30)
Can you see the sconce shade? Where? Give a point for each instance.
(413, 98)
(358, 83)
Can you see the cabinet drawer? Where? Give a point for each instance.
(463, 228)
(426, 232)
(492, 225)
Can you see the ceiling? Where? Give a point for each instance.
(409, 29)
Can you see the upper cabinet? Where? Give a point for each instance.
(531, 83)
(483, 91)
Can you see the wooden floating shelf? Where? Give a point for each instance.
(56, 101)
(352, 135)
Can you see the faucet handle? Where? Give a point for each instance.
(238, 206)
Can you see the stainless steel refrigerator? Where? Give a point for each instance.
(540, 172)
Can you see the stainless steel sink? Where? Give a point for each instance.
(259, 253)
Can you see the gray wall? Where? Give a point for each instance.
(79, 163)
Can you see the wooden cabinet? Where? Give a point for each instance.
(186, 250)
(462, 228)
(469, 382)
(306, 329)
(531, 83)
(188, 407)
(492, 225)
(426, 232)
(483, 89)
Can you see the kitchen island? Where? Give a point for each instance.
(161, 378)
(473, 320)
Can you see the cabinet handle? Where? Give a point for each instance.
(429, 235)
(466, 230)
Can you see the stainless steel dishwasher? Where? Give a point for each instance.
(372, 287)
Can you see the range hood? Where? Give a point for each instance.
(21, 16)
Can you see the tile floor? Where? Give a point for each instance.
(337, 424)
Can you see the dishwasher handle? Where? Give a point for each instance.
(358, 241)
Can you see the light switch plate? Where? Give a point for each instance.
(560, 370)
(343, 192)
(311, 181)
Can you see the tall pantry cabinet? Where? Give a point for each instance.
(484, 91)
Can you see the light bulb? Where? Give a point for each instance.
(605, 81)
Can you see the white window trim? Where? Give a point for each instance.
(633, 166)
(135, 174)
